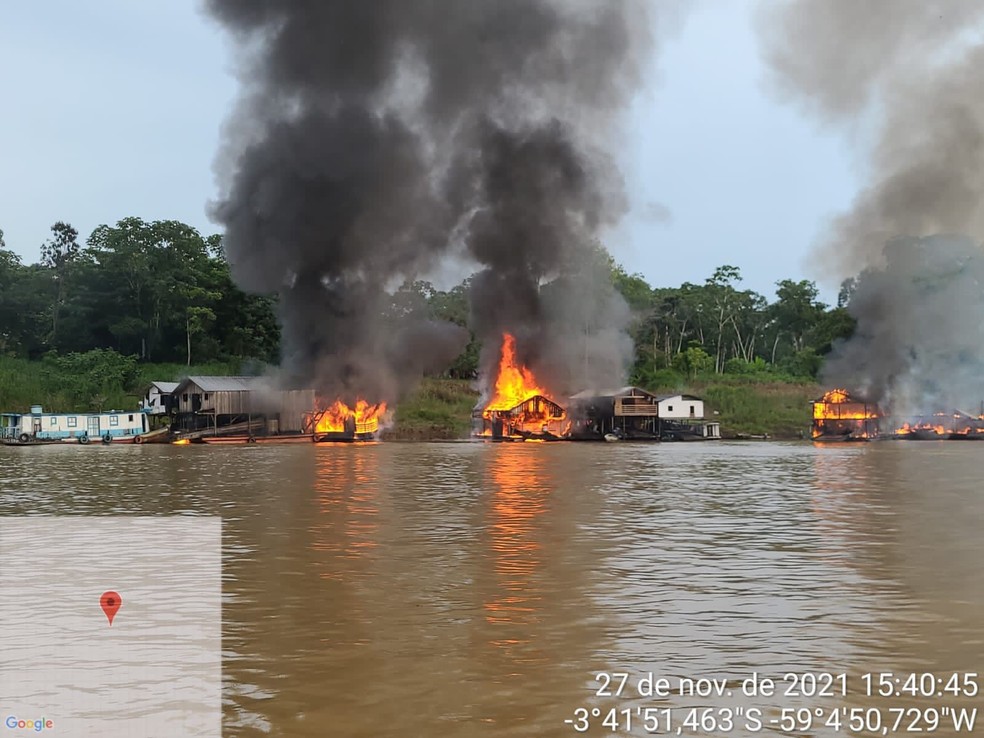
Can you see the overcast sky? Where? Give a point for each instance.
(114, 108)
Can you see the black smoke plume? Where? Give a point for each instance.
(904, 78)
(372, 139)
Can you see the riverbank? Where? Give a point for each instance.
(438, 409)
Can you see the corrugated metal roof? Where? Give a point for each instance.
(620, 392)
(677, 394)
(224, 384)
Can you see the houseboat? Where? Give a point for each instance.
(37, 426)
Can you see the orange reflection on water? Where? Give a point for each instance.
(519, 500)
(347, 486)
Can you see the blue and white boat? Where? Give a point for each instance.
(37, 426)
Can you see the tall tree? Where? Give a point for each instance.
(795, 313)
(57, 254)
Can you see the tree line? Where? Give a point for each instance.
(162, 292)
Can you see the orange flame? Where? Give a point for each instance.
(333, 418)
(837, 406)
(519, 401)
(514, 384)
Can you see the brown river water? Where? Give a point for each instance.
(471, 589)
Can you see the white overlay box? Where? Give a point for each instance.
(156, 671)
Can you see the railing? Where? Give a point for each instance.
(650, 410)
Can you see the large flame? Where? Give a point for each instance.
(333, 417)
(840, 414)
(514, 383)
(519, 405)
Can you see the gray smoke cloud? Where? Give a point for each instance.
(917, 349)
(903, 77)
(372, 139)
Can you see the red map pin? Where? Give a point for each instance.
(110, 603)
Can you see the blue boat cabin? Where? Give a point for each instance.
(82, 427)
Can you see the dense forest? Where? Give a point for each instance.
(142, 292)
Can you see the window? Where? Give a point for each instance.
(130, 418)
(53, 421)
(692, 411)
(205, 396)
(669, 408)
(114, 419)
(72, 421)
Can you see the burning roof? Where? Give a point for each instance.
(519, 406)
(840, 416)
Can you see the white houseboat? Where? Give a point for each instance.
(113, 426)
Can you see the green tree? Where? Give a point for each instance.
(794, 314)
(57, 254)
(695, 361)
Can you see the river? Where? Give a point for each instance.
(469, 589)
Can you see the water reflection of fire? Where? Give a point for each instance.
(519, 408)
(347, 527)
(519, 500)
(339, 421)
(839, 416)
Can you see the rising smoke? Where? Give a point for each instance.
(903, 76)
(372, 139)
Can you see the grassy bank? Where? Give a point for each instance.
(778, 409)
(438, 409)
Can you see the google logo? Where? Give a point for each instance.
(36, 725)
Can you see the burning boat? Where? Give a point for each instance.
(838, 416)
(340, 422)
(953, 426)
(519, 408)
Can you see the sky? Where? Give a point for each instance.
(116, 110)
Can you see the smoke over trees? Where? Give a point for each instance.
(372, 140)
(904, 75)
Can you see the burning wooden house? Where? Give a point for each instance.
(838, 416)
(338, 422)
(519, 408)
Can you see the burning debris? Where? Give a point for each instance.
(951, 426)
(837, 416)
(519, 408)
(339, 422)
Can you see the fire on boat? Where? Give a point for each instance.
(519, 409)
(338, 422)
(840, 416)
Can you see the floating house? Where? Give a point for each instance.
(841, 416)
(241, 404)
(633, 413)
(159, 399)
(681, 418)
(105, 427)
(536, 417)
